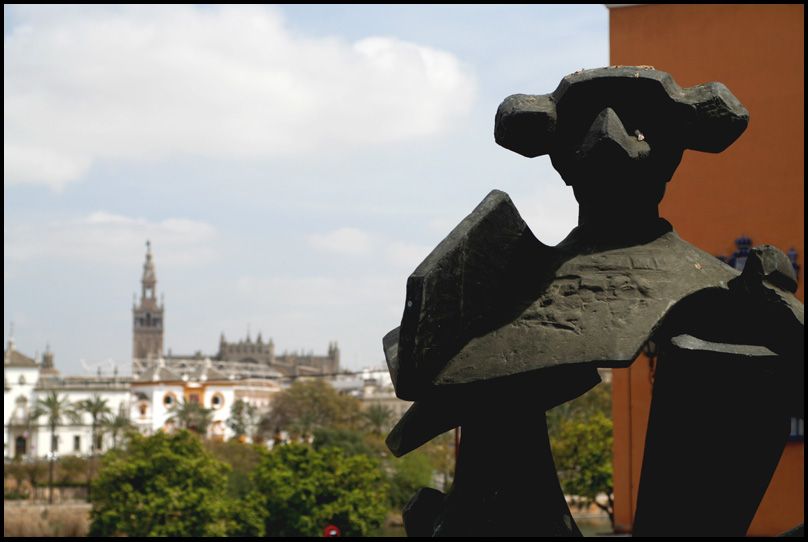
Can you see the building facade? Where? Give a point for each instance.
(27, 382)
(147, 398)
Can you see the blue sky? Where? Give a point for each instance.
(291, 165)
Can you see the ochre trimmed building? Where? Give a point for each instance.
(752, 192)
(157, 390)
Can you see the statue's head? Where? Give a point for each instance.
(616, 135)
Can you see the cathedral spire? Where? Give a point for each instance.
(149, 280)
(148, 317)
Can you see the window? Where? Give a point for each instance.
(142, 411)
(21, 410)
(169, 399)
(76, 443)
(20, 446)
(194, 398)
(217, 401)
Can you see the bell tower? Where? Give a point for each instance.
(147, 319)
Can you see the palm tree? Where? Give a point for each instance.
(56, 410)
(97, 408)
(377, 417)
(118, 425)
(191, 415)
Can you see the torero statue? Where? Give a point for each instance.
(499, 327)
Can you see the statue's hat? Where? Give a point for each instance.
(704, 118)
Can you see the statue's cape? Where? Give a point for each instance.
(492, 301)
(492, 304)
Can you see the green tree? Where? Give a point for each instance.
(441, 453)
(192, 416)
(582, 450)
(56, 411)
(598, 399)
(243, 419)
(304, 490)
(308, 404)
(242, 457)
(411, 473)
(164, 485)
(581, 440)
(349, 441)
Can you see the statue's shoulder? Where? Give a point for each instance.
(474, 281)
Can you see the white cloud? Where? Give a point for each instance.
(551, 211)
(407, 255)
(145, 82)
(51, 166)
(324, 300)
(306, 294)
(104, 238)
(348, 241)
(355, 243)
(310, 312)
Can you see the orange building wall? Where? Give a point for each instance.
(754, 188)
(631, 405)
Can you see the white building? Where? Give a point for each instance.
(373, 386)
(146, 398)
(26, 381)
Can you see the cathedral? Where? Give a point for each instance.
(246, 370)
(238, 360)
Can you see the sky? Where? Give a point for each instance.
(291, 165)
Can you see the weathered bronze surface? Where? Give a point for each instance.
(499, 327)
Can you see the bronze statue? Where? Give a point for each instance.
(499, 327)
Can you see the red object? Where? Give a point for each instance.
(331, 530)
